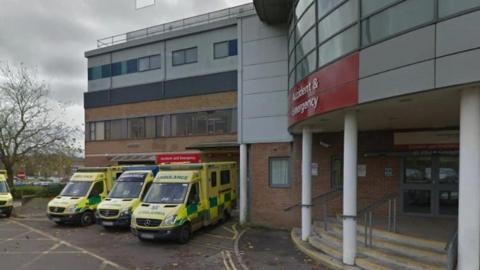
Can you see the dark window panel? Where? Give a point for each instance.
(132, 66)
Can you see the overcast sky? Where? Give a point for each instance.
(52, 36)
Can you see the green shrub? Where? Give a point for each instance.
(37, 191)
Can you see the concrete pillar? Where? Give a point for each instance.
(243, 184)
(306, 183)
(350, 188)
(469, 186)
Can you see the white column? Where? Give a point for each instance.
(306, 183)
(243, 184)
(469, 187)
(350, 188)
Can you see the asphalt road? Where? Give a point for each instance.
(30, 241)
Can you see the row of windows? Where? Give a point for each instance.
(322, 31)
(179, 57)
(170, 125)
(125, 67)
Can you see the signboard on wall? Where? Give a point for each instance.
(427, 140)
(332, 87)
(177, 158)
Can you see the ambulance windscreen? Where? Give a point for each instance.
(76, 189)
(3, 187)
(126, 189)
(171, 193)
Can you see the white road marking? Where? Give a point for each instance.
(103, 260)
(24, 266)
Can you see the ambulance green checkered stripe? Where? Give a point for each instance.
(227, 197)
(192, 209)
(213, 201)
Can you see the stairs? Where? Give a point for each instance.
(389, 251)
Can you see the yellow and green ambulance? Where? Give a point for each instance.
(79, 199)
(185, 197)
(6, 199)
(127, 192)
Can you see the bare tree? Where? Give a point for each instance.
(27, 122)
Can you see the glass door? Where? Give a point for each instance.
(430, 185)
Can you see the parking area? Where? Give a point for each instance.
(30, 241)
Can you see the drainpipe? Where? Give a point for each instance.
(306, 183)
(243, 184)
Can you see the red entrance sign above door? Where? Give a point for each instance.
(180, 157)
(332, 87)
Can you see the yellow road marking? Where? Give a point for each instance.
(225, 263)
(229, 256)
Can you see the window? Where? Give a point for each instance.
(193, 197)
(306, 44)
(95, 131)
(155, 61)
(185, 56)
(116, 129)
(399, 18)
(417, 170)
(301, 6)
(164, 126)
(450, 7)
(338, 20)
(224, 177)
(117, 69)
(307, 66)
(94, 73)
(306, 21)
(279, 171)
(144, 64)
(337, 173)
(370, 6)
(97, 189)
(338, 46)
(136, 128)
(132, 66)
(106, 71)
(225, 49)
(99, 131)
(150, 127)
(213, 179)
(91, 130)
(325, 6)
(220, 50)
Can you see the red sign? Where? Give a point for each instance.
(21, 175)
(174, 158)
(330, 88)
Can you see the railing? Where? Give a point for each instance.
(452, 251)
(367, 213)
(227, 13)
(324, 199)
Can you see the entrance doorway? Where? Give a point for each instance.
(429, 185)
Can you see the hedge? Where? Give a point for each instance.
(37, 191)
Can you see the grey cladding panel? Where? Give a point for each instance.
(201, 85)
(397, 82)
(406, 49)
(458, 68)
(458, 34)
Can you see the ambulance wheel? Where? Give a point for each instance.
(86, 218)
(60, 223)
(184, 234)
(225, 216)
(8, 214)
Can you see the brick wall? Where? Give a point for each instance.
(268, 203)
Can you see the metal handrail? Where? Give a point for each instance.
(322, 196)
(452, 251)
(226, 13)
(367, 213)
(325, 199)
